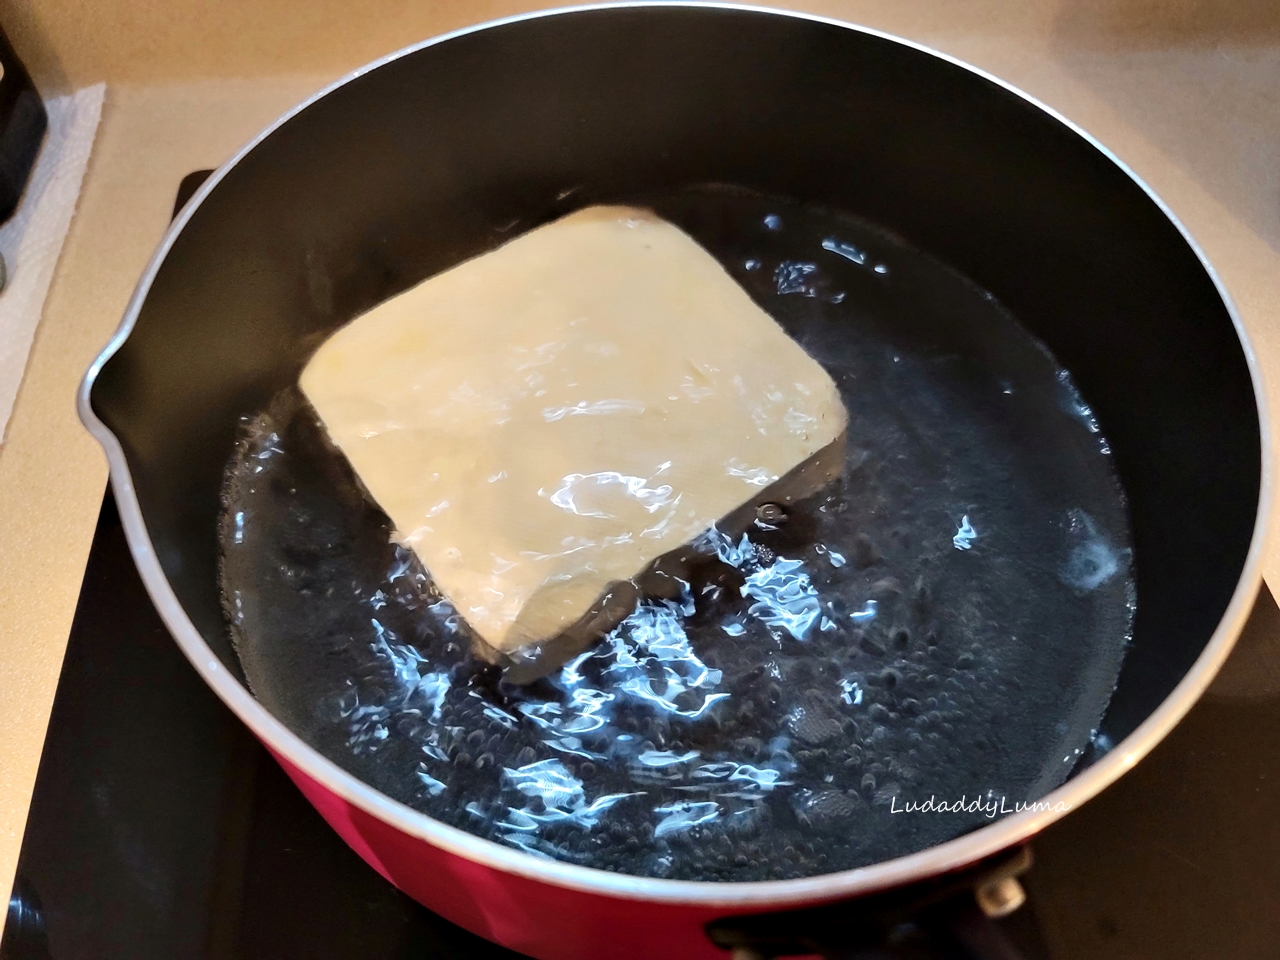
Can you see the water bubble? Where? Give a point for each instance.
(771, 515)
(850, 693)
(1073, 403)
(846, 250)
(1092, 560)
(795, 276)
(679, 817)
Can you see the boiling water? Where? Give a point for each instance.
(946, 620)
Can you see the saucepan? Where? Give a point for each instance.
(419, 161)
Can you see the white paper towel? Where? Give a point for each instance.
(31, 241)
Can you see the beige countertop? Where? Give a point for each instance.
(1191, 102)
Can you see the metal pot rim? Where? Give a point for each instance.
(953, 854)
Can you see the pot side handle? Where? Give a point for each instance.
(952, 917)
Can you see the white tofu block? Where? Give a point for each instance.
(546, 420)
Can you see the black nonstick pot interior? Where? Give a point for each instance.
(419, 163)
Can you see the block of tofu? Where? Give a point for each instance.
(546, 421)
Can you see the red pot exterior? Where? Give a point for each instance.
(540, 919)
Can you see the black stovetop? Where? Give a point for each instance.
(159, 827)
